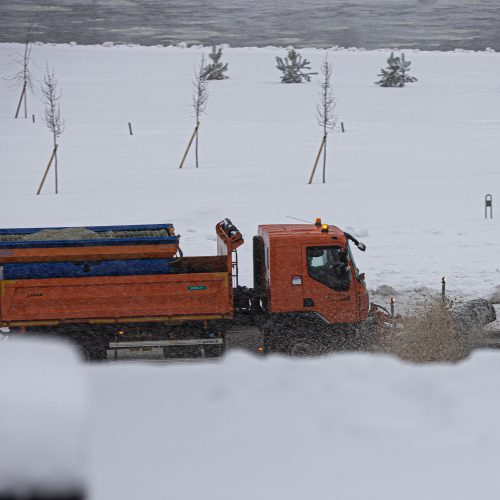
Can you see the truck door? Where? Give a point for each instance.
(328, 284)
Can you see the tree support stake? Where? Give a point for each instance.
(52, 156)
(23, 92)
(317, 159)
(195, 133)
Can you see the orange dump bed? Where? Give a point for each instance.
(95, 253)
(196, 288)
(94, 243)
(116, 299)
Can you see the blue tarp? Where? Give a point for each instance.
(41, 270)
(108, 241)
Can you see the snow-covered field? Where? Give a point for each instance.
(408, 177)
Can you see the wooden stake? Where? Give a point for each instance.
(189, 145)
(33, 118)
(324, 162)
(130, 128)
(342, 127)
(52, 156)
(20, 100)
(56, 176)
(25, 105)
(317, 159)
(196, 149)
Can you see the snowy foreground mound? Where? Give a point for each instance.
(43, 419)
(346, 427)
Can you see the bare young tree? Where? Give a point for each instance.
(325, 112)
(22, 78)
(200, 99)
(326, 106)
(51, 97)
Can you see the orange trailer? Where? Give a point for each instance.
(197, 288)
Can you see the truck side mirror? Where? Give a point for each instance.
(360, 245)
(362, 277)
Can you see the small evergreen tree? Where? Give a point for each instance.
(396, 73)
(293, 67)
(216, 69)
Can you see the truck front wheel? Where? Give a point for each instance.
(304, 347)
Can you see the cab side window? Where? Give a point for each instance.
(329, 266)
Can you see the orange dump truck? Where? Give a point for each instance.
(110, 288)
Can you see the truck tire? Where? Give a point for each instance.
(215, 351)
(83, 353)
(295, 335)
(301, 347)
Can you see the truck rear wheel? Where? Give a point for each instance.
(90, 343)
(83, 353)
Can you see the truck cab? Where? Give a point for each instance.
(309, 268)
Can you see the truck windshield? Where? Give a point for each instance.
(329, 266)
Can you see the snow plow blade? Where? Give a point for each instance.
(473, 315)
